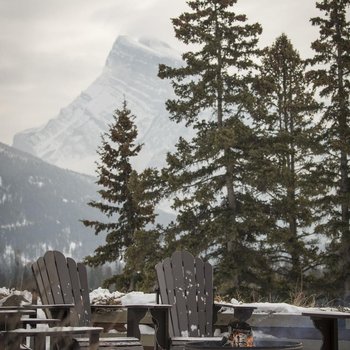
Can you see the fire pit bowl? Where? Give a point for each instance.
(259, 344)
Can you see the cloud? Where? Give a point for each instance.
(283, 16)
(51, 50)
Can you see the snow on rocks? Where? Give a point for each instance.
(14, 297)
(105, 297)
(138, 298)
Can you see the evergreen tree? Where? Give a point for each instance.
(286, 171)
(146, 251)
(330, 74)
(127, 213)
(218, 214)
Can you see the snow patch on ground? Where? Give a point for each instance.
(105, 297)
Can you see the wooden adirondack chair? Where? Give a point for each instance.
(61, 281)
(186, 283)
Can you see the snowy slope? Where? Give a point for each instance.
(41, 206)
(70, 140)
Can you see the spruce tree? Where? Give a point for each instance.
(330, 74)
(217, 212)
(286, 172)
(126, 213)
(146, 251)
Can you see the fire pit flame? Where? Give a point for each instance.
(240, 336)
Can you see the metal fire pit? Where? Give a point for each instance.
(259, 344)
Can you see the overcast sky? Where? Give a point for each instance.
(51, 50)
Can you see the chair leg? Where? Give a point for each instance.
(65, 343)
(10, 342)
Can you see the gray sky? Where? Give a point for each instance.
(51, 50)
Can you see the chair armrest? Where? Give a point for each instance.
(57, 311)
(241, 313)
(110, 307)
(34, 321)
(49, 306)
(149, 306)
(16, 310)
(132, 306)
(32, 308)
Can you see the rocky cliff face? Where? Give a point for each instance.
(70, 140)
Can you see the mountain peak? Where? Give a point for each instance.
(71, 138)
(157, 45)
(145, 46)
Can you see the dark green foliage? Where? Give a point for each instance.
(141, 259)
(287, 153)
(142, 256)
(206, 81)
(330, 74)
(127, 200)
(219, 215)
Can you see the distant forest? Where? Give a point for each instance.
(15, 274)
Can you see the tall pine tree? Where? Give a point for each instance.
(127, 211)
(287, 165)
(331, 75)
(218, 214)
(146, 251)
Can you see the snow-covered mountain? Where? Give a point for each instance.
(70, 140)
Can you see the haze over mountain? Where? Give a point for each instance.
(41, 206)
(40, 203)
(70, 140)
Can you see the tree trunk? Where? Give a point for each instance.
(344, 167)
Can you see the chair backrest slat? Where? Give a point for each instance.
(166, 290)
(209, 298)
(78, 312)
(64, 279)
(40, 283)
(186, 283)
(189, 273)
(180, 293)
(170, 291)
(46, 280)
(84, 293)
(201, 300)
(50, 263)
